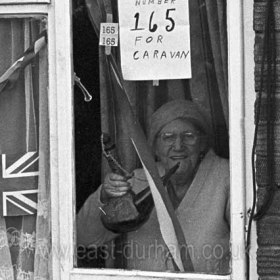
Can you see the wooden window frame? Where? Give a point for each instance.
(62, 140)
(22, 2)
(249, 121)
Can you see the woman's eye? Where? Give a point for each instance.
(189, 135)
(168, 137)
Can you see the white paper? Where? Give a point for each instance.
(154, 39)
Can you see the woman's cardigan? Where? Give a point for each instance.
(204, 215)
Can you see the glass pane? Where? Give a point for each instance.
(185, 122)
(24, 145)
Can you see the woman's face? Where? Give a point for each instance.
(179, 141)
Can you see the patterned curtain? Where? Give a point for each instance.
(24, 128)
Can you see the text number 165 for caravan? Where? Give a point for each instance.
(154, 39)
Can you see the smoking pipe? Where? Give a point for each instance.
(131, 211)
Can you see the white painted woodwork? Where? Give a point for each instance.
(236, 132)
(21, 2)
(250, 97)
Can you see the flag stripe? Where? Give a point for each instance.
(21, 203)
(18, 205)
(17, 163)
(28, 165)
(25, 59)
(17, 168)
(39, 44)
(165, 222)
(24, 192)
(25, 200)
(31, 168)
(136, 134)
(28, 197)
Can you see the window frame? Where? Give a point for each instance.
(22, 2)
(62, 140)
(23, 9)
(249, 123)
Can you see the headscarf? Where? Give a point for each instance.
(178, 109)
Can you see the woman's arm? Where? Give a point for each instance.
(90, 230)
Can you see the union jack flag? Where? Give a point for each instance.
(18, 184)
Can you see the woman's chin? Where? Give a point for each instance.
(183, 170)
(184, 165)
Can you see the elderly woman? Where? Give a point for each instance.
(200, 195)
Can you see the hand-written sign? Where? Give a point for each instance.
(154, 39)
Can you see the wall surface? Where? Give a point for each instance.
(268, 228)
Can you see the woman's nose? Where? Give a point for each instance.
(178, 144)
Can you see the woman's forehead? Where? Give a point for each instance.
(179, 125)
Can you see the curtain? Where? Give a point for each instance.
(209, 65)
(208, 86)
(24, 128)
(42, 265)
(11, 35)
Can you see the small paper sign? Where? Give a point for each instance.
(109, 34)
(154, 39)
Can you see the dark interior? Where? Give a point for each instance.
(87, 114)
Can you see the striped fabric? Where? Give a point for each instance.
(169, 225)
(12, 74)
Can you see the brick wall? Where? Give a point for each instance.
(268, 228)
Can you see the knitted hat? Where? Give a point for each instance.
(177, 109)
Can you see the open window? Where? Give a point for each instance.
(210, 31)
(207, 88)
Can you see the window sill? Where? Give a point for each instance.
(101, 274)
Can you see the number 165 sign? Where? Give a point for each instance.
(154, 39)
(108, 34)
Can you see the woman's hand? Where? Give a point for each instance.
(114, 186)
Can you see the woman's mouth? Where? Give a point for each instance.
(178, 157)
